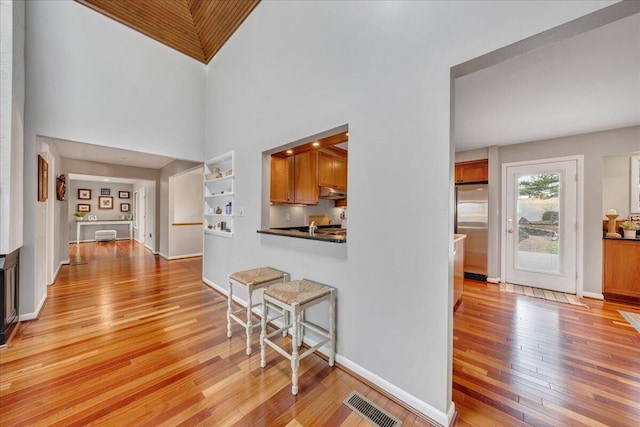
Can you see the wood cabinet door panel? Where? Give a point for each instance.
(306, 178)
(472, 171)
(621, 270)
(281, 179)
(340, 173)
(325, 170)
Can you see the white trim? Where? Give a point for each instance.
(55, 275)
(494, 280)
(151, 249)
(94, 240)
(34, 315)
(161, 254)
(579, 159)
(183, 256)
(440, 417)
(592, 295)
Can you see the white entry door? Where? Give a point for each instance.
(541, 225)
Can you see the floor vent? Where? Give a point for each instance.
(370, 411)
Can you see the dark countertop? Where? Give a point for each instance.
(637, 239)
(303, 233)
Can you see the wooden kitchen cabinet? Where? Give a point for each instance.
(294, 179)
(305, 186)
(472, 171)
(621, 270)
(332, 171)
(282, 179)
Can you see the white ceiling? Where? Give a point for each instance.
(587, 83)
(102, 154)
(95, 178)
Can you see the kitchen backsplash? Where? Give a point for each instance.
(298, 215)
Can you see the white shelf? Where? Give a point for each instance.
(228, 234)
(211, 196)
(224, 178)
(219, 215)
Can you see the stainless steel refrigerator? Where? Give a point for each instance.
(471, 217)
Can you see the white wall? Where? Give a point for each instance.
(165, 210)
(186, 207)
(88, 233)
(91, 79)
(595, 147)
(12, 84)
(294, 69)
(616, 184)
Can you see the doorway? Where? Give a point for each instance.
(540, 245)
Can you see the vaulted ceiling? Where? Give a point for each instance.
(197, 28)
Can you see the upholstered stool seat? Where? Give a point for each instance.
(251, 279)
(105, 235)
(290, 300)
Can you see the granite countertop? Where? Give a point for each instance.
(338, 235)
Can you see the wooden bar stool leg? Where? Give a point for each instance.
(263, 333)
(295, 363)
(332, 327)
(249, 326)
(229, 309)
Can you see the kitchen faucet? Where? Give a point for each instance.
(312, 228)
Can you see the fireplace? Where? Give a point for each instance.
(9, 277)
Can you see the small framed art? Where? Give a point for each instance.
(125, 207)
(84, 194)
(105, 202)
(124, 194)
(105, 191)
(83, 207)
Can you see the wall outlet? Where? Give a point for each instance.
(150, 235)
(240, 211)
(287, 216)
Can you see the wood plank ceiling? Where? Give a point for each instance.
(197, 28)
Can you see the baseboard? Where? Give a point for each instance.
(493, 279)
(182, 256)
(592, 295)
(151, 249)
(94, 240)
(410, 402)
(162, 255)
(36, 314)
(55, 275)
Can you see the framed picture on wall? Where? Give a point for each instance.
(105, 191)
(105, 202)
(84, 194)
(43, 179)
(83, 207)
(125, 207)
(124, 194)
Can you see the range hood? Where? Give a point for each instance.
(332, 194)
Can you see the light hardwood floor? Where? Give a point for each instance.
(126, 338)
(520, 360)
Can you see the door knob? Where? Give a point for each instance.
(510, 230)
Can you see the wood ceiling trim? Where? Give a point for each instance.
(197, 28)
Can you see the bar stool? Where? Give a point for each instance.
(291, 300)
(251, 279)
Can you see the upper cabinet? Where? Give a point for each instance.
(472, 171)
(332, 171)
(305, 187)
(294, 179)
(282, 179)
